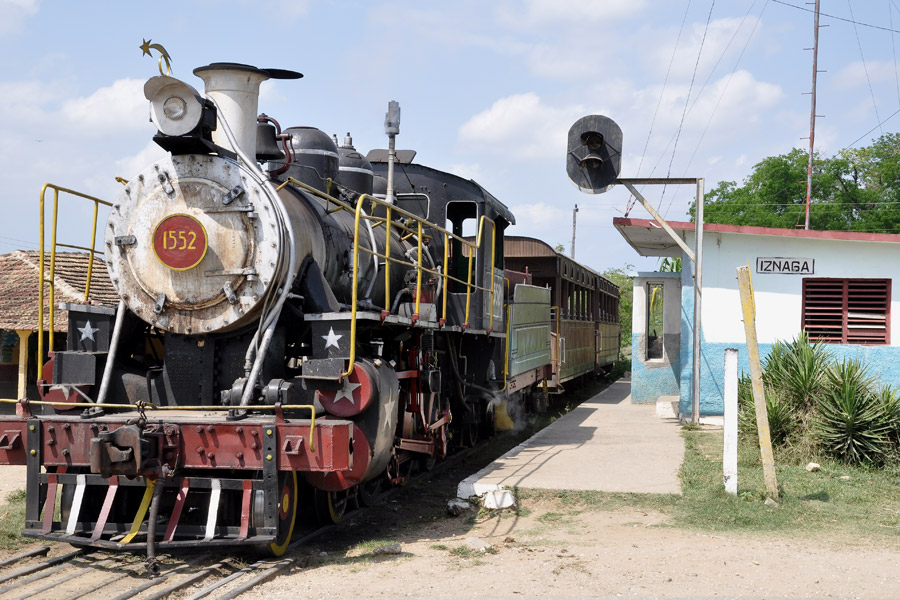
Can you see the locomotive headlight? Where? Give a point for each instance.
(175, 107)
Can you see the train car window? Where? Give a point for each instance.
(462, 221)
(654, 321)
(498, 240)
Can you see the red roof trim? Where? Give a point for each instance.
(856, 236)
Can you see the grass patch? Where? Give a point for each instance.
(369, 546)
(844, 503)
(12, 519)
(859, 502)
(551, 517)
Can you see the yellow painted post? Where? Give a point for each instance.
(24, 334)
(748, 307)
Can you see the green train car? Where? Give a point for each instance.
(559, 310)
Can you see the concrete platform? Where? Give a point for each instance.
(606, 444)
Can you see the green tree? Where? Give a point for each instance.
(858, 189)
(620, 277)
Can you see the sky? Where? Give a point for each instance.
(487, 89)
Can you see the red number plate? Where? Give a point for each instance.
(180, 242)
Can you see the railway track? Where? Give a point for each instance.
(70, 574)
(64, 573)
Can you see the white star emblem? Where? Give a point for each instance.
(330, 340)
(347, 392)
(387, 423)
(87, 332)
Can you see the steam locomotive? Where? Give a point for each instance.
(298, 324)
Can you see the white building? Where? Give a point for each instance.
(836, 285)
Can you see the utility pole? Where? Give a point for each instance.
(812, 112)
(574, 212)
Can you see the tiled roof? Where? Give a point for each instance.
(19, 287)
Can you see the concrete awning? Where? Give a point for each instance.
(648, 238)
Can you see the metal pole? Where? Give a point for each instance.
(698, 285)
(574, 212)
(812, 113)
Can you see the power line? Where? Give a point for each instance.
(894, 49)
(662, 92)
(893, 114)
(687, 101)
(837, 18)
(728, 81)
(865, 68)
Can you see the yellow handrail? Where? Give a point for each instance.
(49, 279)
(446, 290)
(419, 267)
(387, 261)
(558, 346)
(390, 211)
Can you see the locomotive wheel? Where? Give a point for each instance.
(369, 490)
(469, 435)
(330, 506)
(287, 512)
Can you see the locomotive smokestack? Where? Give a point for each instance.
(235, 89)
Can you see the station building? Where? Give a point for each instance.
(836, 285)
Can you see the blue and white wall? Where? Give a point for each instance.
(652, 378)
(778, 304)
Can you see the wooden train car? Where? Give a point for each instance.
(585, 313)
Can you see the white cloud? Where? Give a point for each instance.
(13, 14)
(468, 171)
(717, 48)
(110, 109)
(521, 126)
(540, 12)
(854, 75)
(130, 165)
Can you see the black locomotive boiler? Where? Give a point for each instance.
(292, 318)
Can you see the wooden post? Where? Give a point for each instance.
(748, 307)
(729, 449)
(24, 334)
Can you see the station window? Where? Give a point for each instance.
(847, 311)
(654, 321)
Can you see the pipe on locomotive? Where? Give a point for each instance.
(235, 94)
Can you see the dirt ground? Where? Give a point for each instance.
(12, 478)
(550, 550)
(551, 554)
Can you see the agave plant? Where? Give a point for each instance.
(853, 422)
(783, 417)
(798, 370)
(890, 401)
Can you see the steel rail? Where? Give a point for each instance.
(29, 554)
(40, 566)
